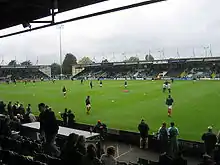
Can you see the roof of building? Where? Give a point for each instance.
(15, 12)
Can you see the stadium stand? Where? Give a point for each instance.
(158, 69)
(20, 73)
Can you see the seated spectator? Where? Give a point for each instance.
(207, 160)
(165, 159)
(108, 159)
(29, 117)
(5, 129)
(179, 160)
(80, 145)
(91, 158)
(21, 110)
(69, 153)
(2, 107)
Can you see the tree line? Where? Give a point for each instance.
(71, 60)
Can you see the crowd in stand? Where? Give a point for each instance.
(15, 148)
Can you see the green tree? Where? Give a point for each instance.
(12, 63)
(105, 61)
(68, 62)
(55, 69)
(26, 63)
(85, 60)
(132, 59)
(149, 57)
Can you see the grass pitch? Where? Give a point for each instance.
(196, 105)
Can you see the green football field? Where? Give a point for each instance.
(196, 105)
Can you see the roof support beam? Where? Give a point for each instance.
(88, 16)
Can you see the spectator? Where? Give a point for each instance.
(69, 153)
(42, 108)
(165, 159)
(81, 146)
(5, 129)
(99, 150)
(100, 128)
(10, 110)
(21, 110)
(51, 129)
(90, 158)
(143, 129)
(108, 159)
(207, 160)
(71, 119)
(210, 140)
(2, 107)
(64, 116)
(179, 160)
(163, 138)
(29, 117)
(173, 134)
(50, 126)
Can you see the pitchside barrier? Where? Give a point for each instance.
(190, 148)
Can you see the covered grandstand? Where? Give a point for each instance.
(184, 68)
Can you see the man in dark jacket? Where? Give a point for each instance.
(143, 129)
(42, 108)
(100, 128)
(163, 138)
(71, 119)
(64, 116)
(210, 141)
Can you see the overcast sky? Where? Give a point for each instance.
(168, 26)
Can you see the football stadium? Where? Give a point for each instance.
(126, 108)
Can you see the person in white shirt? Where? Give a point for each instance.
(108, 159)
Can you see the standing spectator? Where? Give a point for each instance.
(173, 133)
(90, 158)
(108, 159)
(42, 108)
(163, 138)
(64, 117)
(10, 110)
(71, 119)
(51, 129)
(210, 140)
(143, 129)
(100, 128)
(50, 126)
(99, 149)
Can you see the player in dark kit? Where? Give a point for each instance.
(90, 84)
(81, 81)
(126, 84)
(64, 91)
(88, 105)
(53, 80)
(100, 83)
(172, 80)
(169, 103)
